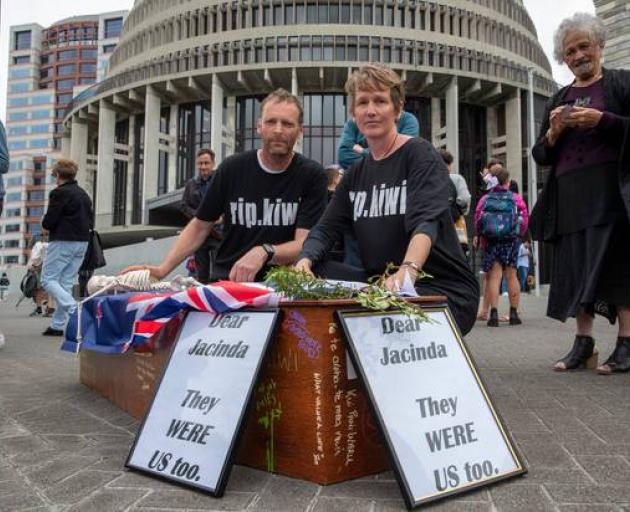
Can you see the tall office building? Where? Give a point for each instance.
(616, 16)
(47, 68)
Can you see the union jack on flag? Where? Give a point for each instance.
(115, 323)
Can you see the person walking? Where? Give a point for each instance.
(522, 264)
(193, 195)
(501, 219)
(4, 284)
(68, 220)
(584, 209)
(4, 168)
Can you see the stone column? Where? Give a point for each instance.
(105, 169)
(78, 149)
(172, 148)
(514, 138)
(216, 119)
(66, 142)
(452, 120)
(299, 145)
(151, 148)
(436, 122)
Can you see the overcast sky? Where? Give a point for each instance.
(546, 15)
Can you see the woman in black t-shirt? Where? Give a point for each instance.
(396, 202)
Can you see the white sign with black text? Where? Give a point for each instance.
(439, 422)
(197, 412)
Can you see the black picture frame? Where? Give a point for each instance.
(230, 454)
(412, 501)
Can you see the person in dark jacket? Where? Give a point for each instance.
(68, 221)
(191, 199)
(584, 210)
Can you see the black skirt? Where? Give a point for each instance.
(591, 272)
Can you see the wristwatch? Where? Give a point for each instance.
(270, 250)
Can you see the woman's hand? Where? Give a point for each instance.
(304, 265)
(155, 271)
(557, 124)
(582, 117)
(395, 281)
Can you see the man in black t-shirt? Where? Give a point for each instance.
(269, 199)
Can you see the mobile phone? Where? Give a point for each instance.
(566, 111)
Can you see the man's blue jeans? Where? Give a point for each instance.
(61, 268)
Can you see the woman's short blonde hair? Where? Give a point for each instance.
(375, 77)
(65, 169)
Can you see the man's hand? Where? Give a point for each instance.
(582, 117)
(304, 265)
(246, 268)
(155, 271)
(357, 148)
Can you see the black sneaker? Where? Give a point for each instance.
(52, 332)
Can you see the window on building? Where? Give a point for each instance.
(109, 48)
(67, 55)
(16, 145)
(324, 117)
(17, 130)
(162, 172)
(193, 134)
(35, 211)
(40, 128)
(35, 228)
(46, 73)
(138, 171)
(41, 100)
(65, 84)
(67, 69)
(63, 99)
(47, 58)
(22, 59)
(35, 195)
(12, 244)
(113, 27)
(17, 102)
(22, 40)
(20, 73)
(89, 54)
(39, 143)
(13, 182)
(11, 260)
(87, 80)
(17, 116)
(41, 114)
(12, 228)
(13, 197)
(88, 68)
(13, 212)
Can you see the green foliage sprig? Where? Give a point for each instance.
(300, 285)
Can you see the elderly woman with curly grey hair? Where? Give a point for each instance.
(584, 209)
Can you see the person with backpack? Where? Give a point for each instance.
(501, 219)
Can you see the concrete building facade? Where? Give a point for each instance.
(616, 17)
(47, 67)
(192, 74)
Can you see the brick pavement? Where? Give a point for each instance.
(62, 448)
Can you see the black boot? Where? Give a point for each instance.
(619, 360)
(579, 356)
(493, 319)
(514, 318)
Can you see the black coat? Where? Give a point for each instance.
(69, 214)
(616, 87)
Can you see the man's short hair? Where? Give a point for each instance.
(503, 177)
(332, 173)
(374, 77)
(446, 156)
(282, 95)
(206, 151)
(65, 169)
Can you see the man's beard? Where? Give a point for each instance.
(278, 148)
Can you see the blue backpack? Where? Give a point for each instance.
(499, 216)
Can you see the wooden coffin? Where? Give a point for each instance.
(309, 418)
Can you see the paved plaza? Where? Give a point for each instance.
(63, 448)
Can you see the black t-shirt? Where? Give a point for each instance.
(388, 201)
(261, 207)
